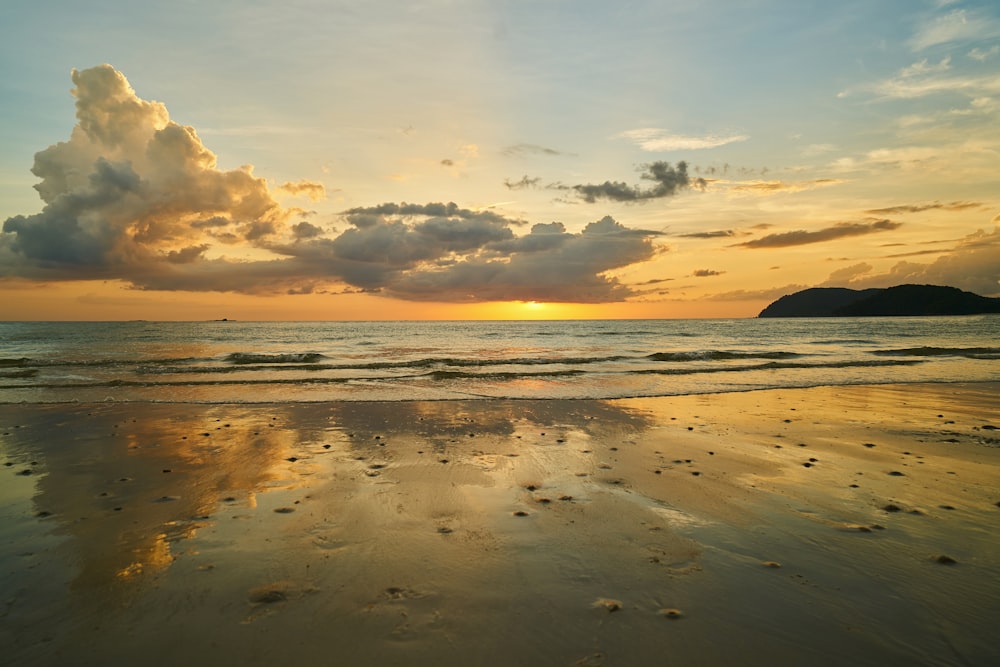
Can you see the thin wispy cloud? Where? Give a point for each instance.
(982, 55)
(715, 234)
(658, 140)
(959, 25)
(832, 233)
(310, 189)
(763, 188)
(522, 183)
(526, 150)
(918, 208)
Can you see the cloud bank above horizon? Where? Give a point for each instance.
(134, 196)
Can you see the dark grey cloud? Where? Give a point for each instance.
(547, 264)
(306, 230)
(918, 208)
(717, 234)
(706, 273)
(838, 231)
(369, 215)
(523, 183)
(667, 182)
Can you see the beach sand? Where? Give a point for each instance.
(827, 526)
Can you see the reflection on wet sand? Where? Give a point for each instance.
(128, 484)
(501, 532)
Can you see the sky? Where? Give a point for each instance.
(480, 159)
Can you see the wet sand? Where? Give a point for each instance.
(827, 526)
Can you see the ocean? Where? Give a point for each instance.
(265, 362)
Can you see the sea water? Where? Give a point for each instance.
(264, 362)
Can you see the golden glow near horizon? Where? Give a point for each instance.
(530, 172)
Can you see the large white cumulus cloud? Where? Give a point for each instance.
(131, 186)
(137, 197)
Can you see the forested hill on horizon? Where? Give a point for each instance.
(902, 300)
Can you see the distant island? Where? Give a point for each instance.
(902, 300)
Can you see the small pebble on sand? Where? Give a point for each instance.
(608, 604)
(771, 563)
(671, 613)
(945, 560)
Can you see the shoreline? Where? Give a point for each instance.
(457, 396)
(825, 524)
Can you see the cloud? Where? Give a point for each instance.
(918, 208)
(838, 231)
(131, 188)
(773, 187)
(768, 294)
(525, 182)
(315, 191)
(973, 265)
(846, 274)
(717, 234)
(668, 182)
(306, 230)
(959, 25)
(133, 196)
(524, 150)
(706, 273)
(924, 78)
(982, 55)
(547, 264)
(655, 139)
(912, 87)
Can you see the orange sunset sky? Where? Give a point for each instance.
(455, 159)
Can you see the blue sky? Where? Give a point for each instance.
(848, 144)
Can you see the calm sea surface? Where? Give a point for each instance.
(258, 362)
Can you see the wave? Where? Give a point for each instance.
(274, 363)
(22, 373)
(970, 352)
(778, 365)
(25, 362)
(289, 358)
(443, 375)
(500, 375)
(718, 355)
(462, 362)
